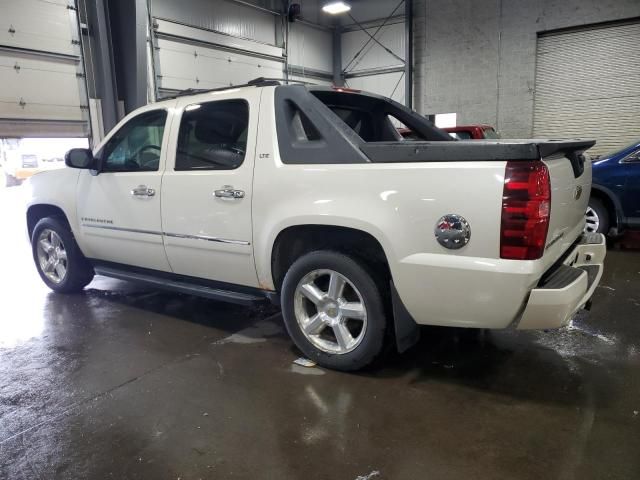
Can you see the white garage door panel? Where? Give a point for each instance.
(226, 16)
(48, 88)
(184, 65)
(41, 93)
(588, 85)
(38, 25)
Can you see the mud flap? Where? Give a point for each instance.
(406, 329)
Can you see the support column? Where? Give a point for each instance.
(419, 12)
(338, 81)
(101, 79)
(408, 53)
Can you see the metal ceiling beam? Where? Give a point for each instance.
(256, 7)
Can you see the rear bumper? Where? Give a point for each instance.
(568, 287)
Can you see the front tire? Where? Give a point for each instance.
(59, 261)
(334, 311)
(597, 217)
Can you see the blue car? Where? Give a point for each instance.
(615, 196)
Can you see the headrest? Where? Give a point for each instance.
(220, 126)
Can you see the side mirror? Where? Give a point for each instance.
(79, 158)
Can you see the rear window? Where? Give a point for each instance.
(377, 119)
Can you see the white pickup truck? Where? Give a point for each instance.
(310, 198)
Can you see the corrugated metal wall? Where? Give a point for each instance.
(310, 47)
(588, 85)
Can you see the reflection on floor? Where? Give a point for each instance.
(122, 382)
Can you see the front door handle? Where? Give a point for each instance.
(228, 191)
(143, 191)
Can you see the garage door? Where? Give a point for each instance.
(189, 57)
(588, 85)
(42, 90)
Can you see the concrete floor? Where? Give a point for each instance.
(122, 382)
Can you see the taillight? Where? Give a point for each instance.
(526, 205)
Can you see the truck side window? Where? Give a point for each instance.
(213, 136)
(136, 146)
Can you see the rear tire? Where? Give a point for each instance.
(597, 217)
(334, 310)
(59, 261)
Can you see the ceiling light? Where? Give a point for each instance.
(334, 8)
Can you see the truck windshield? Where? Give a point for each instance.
(377, 119)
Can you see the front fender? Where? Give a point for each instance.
(56, 188)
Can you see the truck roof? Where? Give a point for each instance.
(268, 82)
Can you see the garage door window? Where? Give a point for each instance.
(213, 136)
(137, 145)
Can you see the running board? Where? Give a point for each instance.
(181, 286)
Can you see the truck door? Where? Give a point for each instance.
(207, 188)
(119, 206)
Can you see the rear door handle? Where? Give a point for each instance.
(143, 191)
(227, 191)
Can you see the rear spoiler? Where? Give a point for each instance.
(572, 149)
(472, 150)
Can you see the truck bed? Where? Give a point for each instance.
(477, 150)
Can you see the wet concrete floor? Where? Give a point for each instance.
(128, 383)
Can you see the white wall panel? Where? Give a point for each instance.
(313, 80)
(373, 56)
(387, 84)
(220, 15)
(310, 47)
(372, 10)
(183, 65)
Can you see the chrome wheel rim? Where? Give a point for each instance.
(52, 256)
(330, 311)
(592, 221)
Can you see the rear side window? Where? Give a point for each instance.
(213, 136)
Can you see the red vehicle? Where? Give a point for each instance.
(461, 132)
(472, 132)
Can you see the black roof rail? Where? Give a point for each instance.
(267, 81)
(256, 82)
